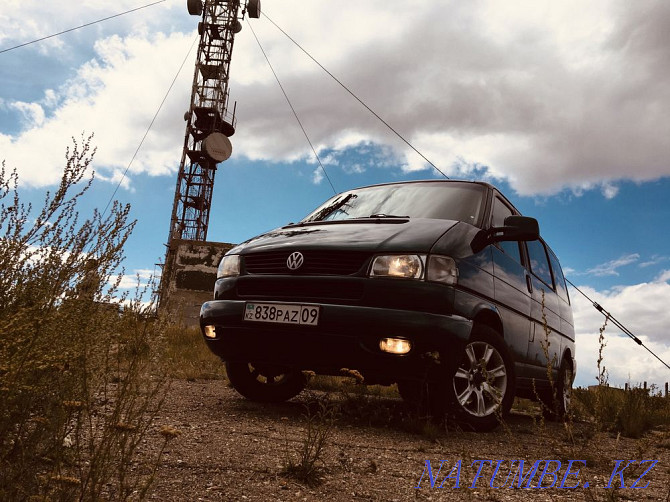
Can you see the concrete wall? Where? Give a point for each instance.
(188, 278)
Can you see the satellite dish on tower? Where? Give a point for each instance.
(194, 7)
(236, 26)
(217, 147)
(254, 8)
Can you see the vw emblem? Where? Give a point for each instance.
(295, 260)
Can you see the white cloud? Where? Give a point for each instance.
(547, 95)
(654, 260)
(139, 279)
(642, 309)
(609, 190)
(115, 96)
(317, 176)
(23, 21)
(624, 360)
(127, 282)
(519, 87)
(610, 268)
(32, 113)
(354, 168)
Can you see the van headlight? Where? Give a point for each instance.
(442, 269)
(404, 266)
(229, 266)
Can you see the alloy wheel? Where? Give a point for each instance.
(480, 380)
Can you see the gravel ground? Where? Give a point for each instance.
(233, 449)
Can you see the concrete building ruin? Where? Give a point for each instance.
(189, 277)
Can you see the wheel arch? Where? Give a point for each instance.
(490, 317)
(569, 358)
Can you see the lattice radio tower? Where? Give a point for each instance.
(209, 123)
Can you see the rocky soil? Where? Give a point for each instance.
(233, 449)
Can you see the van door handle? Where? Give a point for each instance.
(529, 283)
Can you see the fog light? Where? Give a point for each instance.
(395, 345)
(210, 331)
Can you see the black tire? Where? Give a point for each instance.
(482, 387)
(556, 402)
(265, 384)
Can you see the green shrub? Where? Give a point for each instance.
(79, 384)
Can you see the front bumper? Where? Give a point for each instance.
(346, 337)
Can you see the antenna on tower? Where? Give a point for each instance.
(209, 122)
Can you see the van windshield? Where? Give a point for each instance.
(439, 200)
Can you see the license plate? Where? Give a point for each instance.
(282, 313)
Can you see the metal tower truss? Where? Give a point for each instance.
(209, 124)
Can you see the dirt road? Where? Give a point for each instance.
(232, 449)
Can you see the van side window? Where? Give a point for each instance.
(539, 264)
(500, 212)
(559, 278)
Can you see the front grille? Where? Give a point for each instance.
(316, 262)
(278, 289)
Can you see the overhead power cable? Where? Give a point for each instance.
(150, 124)
(292, 108)
(623, 328)
(82, 26)
(356, 97)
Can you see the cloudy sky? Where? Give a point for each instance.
(563, 105)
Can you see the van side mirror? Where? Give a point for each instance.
(516, 228)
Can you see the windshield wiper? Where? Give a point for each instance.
(383, 215)
(335, 207)
(377, 216)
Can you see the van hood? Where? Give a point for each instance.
(397, 235)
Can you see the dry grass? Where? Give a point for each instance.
(304, 464)
(187, 357)
(631, 413)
